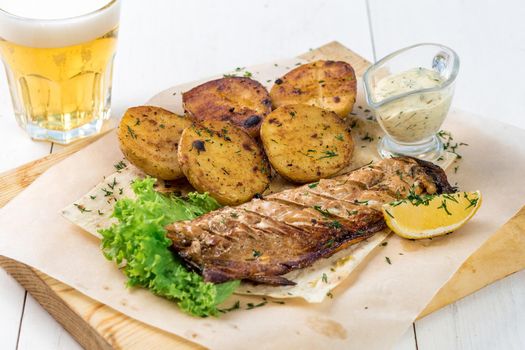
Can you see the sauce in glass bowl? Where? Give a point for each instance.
(410, 92)
(414, 117)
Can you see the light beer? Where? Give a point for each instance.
(59, 70)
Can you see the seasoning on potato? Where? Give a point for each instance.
(326, 84)
(224, 161)
(306, 143)
(242, 101)
(149, 138)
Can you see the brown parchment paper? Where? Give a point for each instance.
(370, 310)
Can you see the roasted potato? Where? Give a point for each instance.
(327, 84)
(241, 101)
(306, 143)
(149, 137)
(224, 161)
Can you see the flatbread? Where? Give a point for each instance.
(93, 212)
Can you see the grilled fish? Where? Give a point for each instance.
(266, 238)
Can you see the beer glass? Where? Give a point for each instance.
(58, 56)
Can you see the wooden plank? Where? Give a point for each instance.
(92, 324)
(499, 256)
(95, 325)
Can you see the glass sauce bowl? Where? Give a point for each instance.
(410, 92)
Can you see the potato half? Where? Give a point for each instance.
(306, 143)
(242, 101)
(327, 84)
(149, 137)
(224, 161)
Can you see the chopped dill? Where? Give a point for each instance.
(325, 213)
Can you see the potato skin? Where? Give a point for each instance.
(224, 161)
(149, 138)
(326, 84)
(306, 143)
(243, 102)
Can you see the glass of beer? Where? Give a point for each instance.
(58, 56)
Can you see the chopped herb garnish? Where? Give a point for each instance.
(256, 253)
(235, 306)
(450, 197)
(328, 154)
(330, 243)
(278, 302)
(93, 197)
(330, 295)
(325, 213)
(448, 144)
(384, 244)
(99, 212)
(444, 207)
(472, 202)
(234, 215)
(339, 137)
(313, 185)
(113, 184)
(131, 132)
(120, 165)
(353, 212)
(324, 278)
(389, 214)
(356, 201)
(247, 74)
(107, 193)
(416, 199)
(388, 260)
(335, 224)
(81, 208)
(253, 306)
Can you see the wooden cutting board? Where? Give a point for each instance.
(97, 326)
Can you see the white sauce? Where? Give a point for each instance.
(413, 118)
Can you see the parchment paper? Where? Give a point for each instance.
(369, 311)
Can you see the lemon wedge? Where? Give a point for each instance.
(429, 216)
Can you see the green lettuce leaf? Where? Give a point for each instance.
(138, 244)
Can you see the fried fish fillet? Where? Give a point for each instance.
(266, 238)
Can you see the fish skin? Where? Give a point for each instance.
(263, 239)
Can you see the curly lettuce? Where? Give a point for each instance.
(138, 244)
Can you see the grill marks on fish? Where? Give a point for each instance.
(265, 238)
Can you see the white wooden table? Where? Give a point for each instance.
(165, 42)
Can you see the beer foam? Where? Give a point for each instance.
(56, 23)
